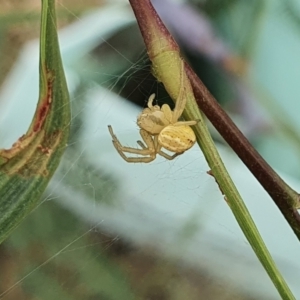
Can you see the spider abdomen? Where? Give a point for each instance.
(177, 138)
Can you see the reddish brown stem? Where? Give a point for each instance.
(282, 194)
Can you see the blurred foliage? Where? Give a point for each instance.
(61, 259)
(289, 9)
(20, 20)
(57, 255)
(54, 255)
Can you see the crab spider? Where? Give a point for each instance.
(160, 129)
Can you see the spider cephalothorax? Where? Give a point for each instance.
(160, 128)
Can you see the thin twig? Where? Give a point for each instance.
(282, 194)
(286, 199)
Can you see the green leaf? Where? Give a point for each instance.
(27, 167)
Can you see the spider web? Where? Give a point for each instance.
(107, 229)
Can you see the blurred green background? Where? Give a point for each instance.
(62, 251)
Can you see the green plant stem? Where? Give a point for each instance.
(235, 201)
(166, 64)
(286, 199)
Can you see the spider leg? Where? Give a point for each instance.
(163, 154)
(168, 156)
(181, 98)
(149, 141)
(145, 151)
(150, 100)
(188, 123)
(168, 114)
(142, 144)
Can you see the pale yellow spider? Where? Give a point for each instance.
(160, 128)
